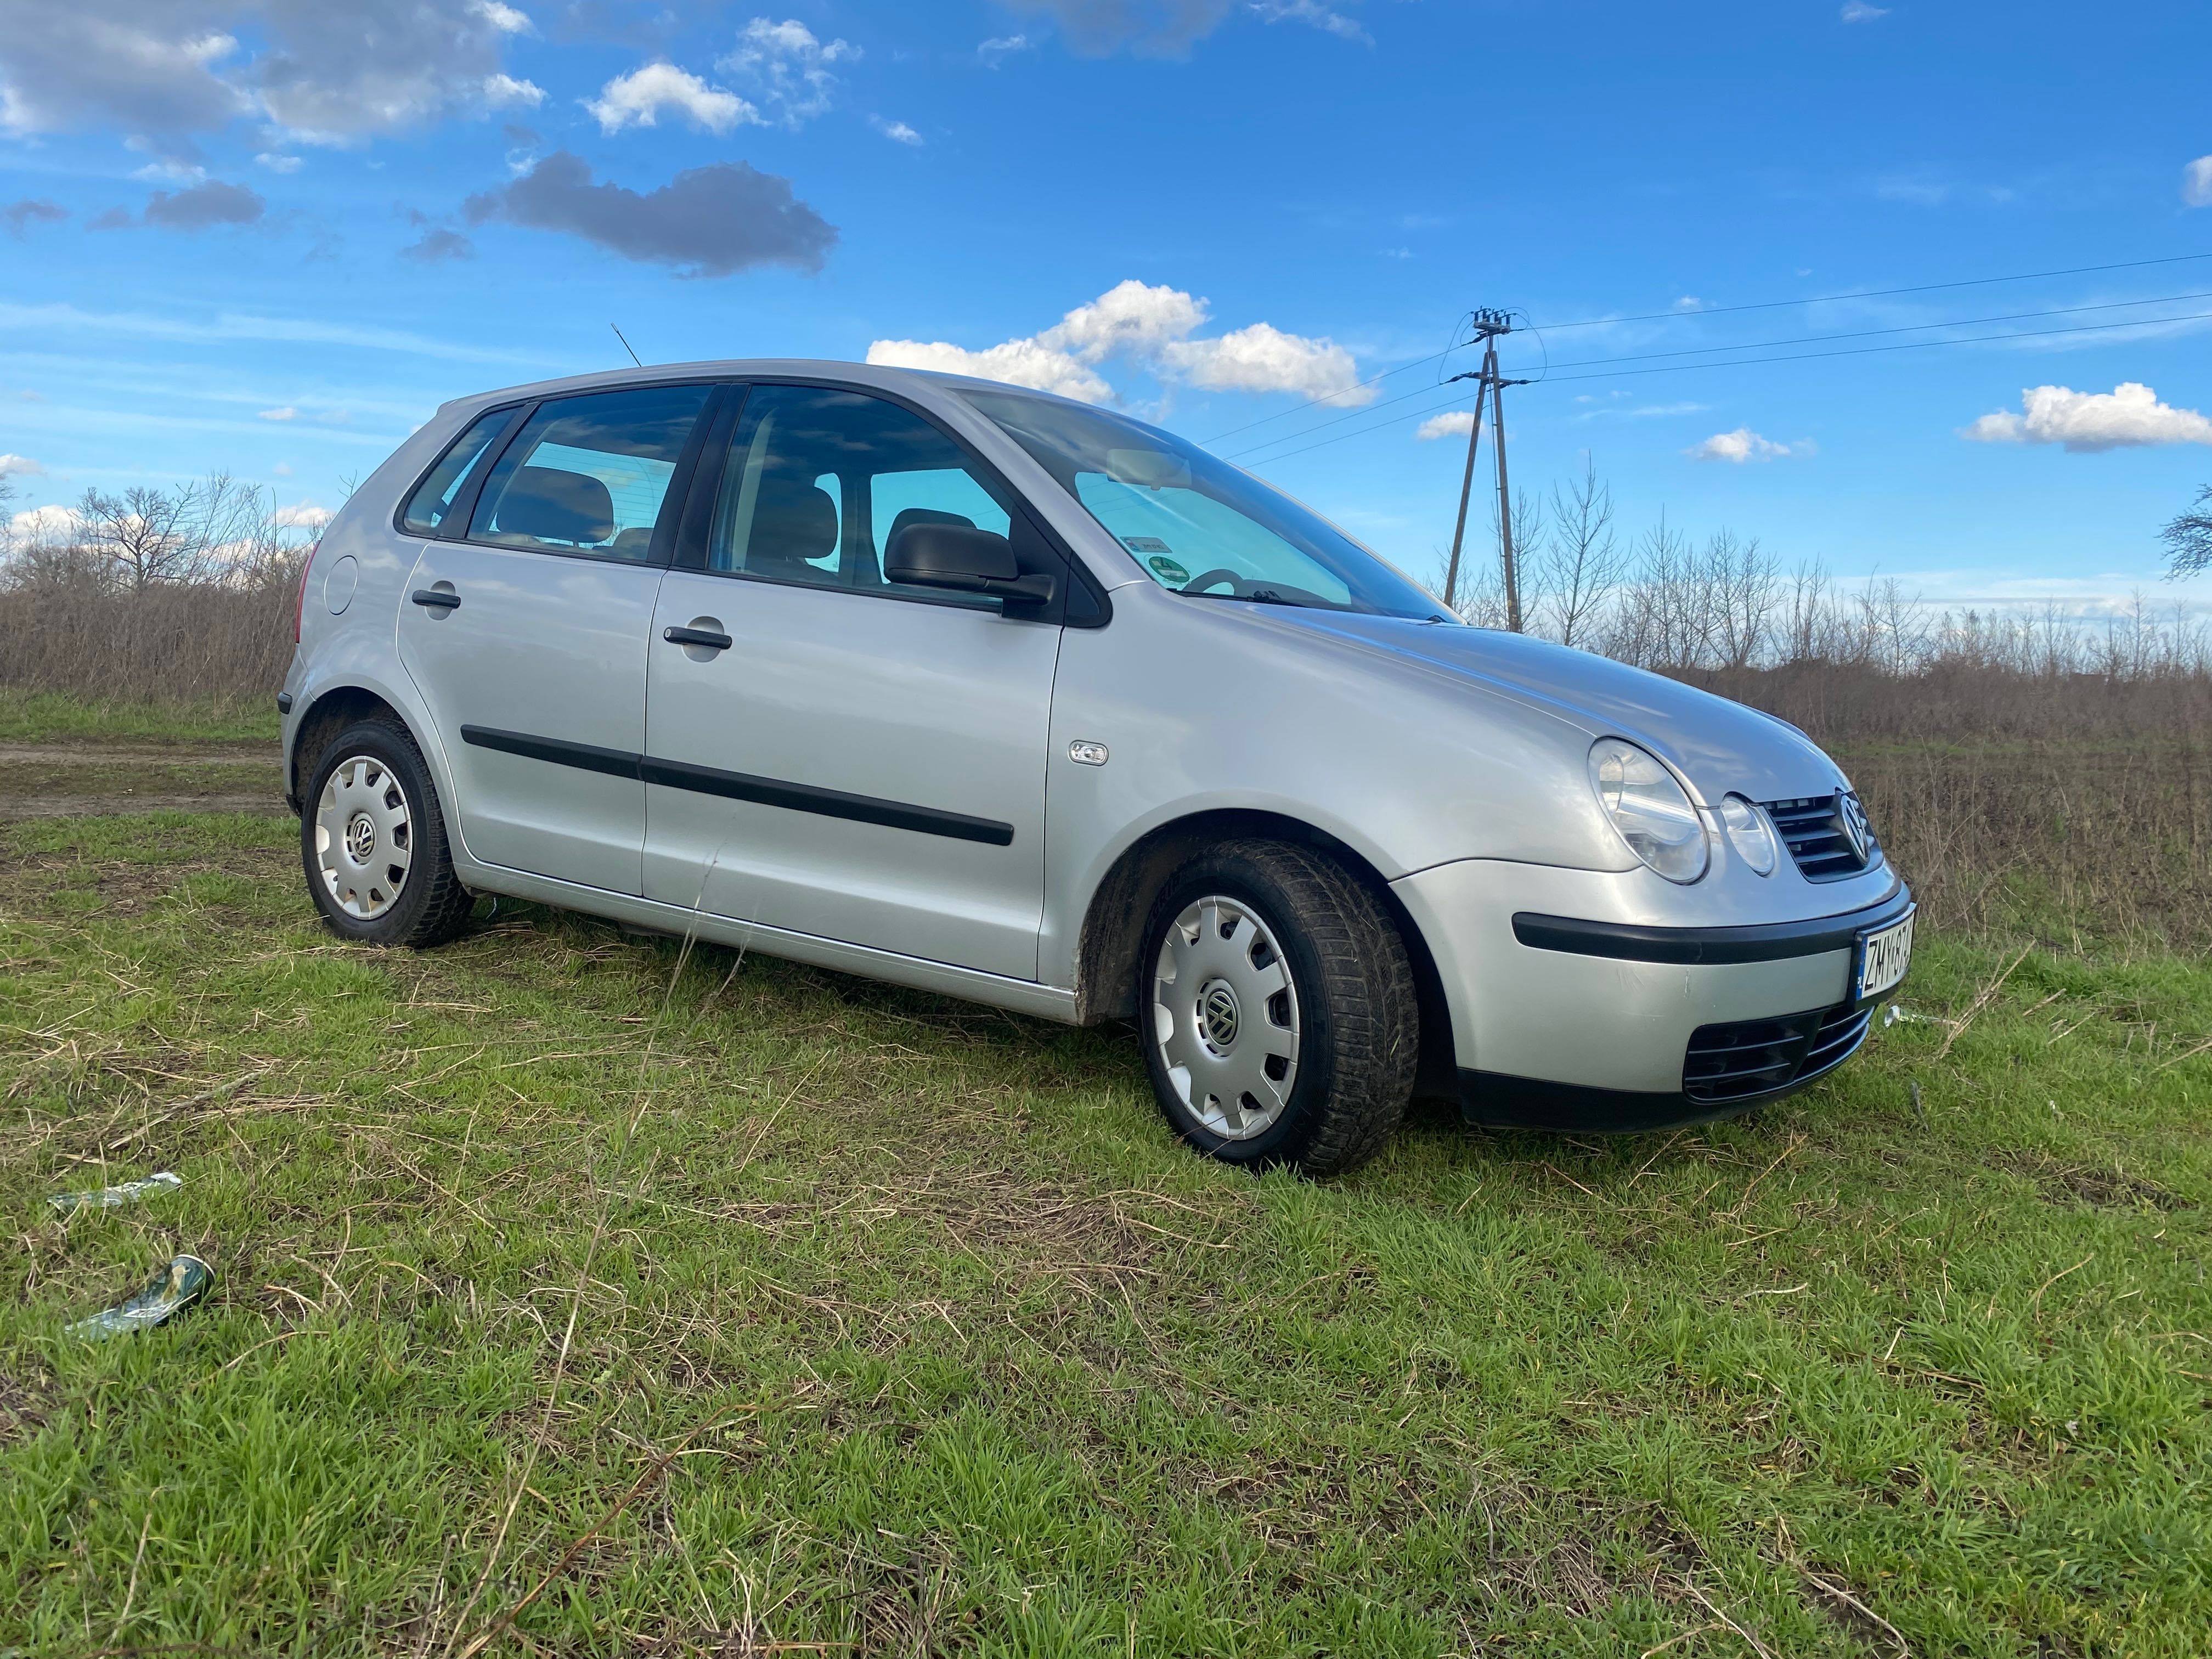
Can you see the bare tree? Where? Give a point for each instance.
(147, 535)
(1808, 634)
(1741, 580)
(143, 534)
(1580, 563)
(2189, 539)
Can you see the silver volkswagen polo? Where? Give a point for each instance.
(993, 694)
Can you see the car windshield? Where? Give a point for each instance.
(1196, 525)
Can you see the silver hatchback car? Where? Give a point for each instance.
(994, 694)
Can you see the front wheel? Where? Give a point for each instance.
(373, 841)
(1276, 1009)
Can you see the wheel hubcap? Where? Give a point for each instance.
(364, 837)
(1225, 1017)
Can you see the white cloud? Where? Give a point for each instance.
(287, 413)
(1151, 326)
(897, 132)
(303, 515)
(1310, 11)
(169, 170)
(1743, 445)
(2197, 182)
(1638, 412)
(996, 52)
(1453, 424)
(505, 18)
(1262, 358)
(2128, 416)
(504, 92)
(283, 469)
(276, 163)
(1017, 362)
(1857, 11)
(1128, 317)
(44, 521)
(19, 467)
(638, 97)
(789, 65)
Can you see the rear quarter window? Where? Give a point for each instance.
(432, 499)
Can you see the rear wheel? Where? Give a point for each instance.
(1276, 1009)
(373, 842)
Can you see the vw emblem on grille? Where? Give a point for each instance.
(1217, 1010)
(1853, 817)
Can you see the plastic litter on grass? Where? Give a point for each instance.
(114, 1198)
(174, 1289)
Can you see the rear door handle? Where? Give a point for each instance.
(705, 636)
(432, 599)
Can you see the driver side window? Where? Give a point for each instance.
(817, 481)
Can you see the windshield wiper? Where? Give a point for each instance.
(1258, 596)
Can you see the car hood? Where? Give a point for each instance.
(1719, 745)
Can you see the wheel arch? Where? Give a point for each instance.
(1114, 922)
(334, 709)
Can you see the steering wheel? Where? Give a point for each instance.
(1199, 583)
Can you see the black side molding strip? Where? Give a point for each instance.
(1772, 942)
(741, 786)
(614, 762)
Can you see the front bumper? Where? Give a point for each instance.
(1562, 1021)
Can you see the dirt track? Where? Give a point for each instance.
(71, 779)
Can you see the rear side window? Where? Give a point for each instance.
(589, 474)
(434, 497)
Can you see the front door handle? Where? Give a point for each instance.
(435, 598)
(706, 636)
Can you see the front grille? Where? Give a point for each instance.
(1818, 834)
(1758, 1056)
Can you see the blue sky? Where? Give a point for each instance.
(270, 236)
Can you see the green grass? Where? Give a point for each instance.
(904, 1325)
(52, 716)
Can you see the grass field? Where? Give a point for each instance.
(575, 1296)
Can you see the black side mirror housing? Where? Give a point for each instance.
(964, 559)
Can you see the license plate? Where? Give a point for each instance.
(1883, 957)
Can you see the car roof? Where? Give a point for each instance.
(878, 376)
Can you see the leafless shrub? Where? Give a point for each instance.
(153, 594)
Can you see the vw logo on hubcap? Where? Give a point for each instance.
(1218, 1015)
(361, 837)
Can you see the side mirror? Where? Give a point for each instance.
(964, 559)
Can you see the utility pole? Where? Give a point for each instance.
(1490, 385)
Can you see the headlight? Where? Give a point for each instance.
(1650, 809)
(1750, 833)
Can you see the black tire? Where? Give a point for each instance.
(1356, 1013)
(428, 905)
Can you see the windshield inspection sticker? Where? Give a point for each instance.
(1167, 569)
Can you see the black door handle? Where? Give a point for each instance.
(432, 599)
(707, 637)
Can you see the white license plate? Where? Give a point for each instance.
(1883, 959)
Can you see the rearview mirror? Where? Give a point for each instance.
(964, 559)
(1152, 469)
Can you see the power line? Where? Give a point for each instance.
(1902, 328)
(1762, 345)
(1331, 397)
(1720, 311)
(1793, 357)
(1881, 293)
